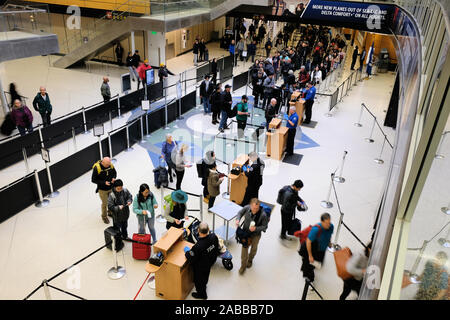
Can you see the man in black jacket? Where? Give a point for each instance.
(290, 201)
(206, 90)
(227, 101)
(195, 51)
(119, 201)
(103, 175)
(216, 103)
(254, 174)
(202, 256)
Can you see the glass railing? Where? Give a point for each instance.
(18, 20)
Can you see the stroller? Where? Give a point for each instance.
(192, 237)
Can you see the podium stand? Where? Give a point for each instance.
(238, 183)
(299, 105)
(276, 139)
(174, 279)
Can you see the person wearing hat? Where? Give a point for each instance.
(202, 256)
(241, 117)
(206, 90)
(227, 101)
(119, 201)
(175, 209)
(163, 72)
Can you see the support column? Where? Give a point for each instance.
(156, 47)
(133, 46)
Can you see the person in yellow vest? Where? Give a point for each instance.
(103, 175)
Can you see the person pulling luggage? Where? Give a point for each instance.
(202, 256)
(290, 200)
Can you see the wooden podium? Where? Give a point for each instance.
(174, 279)
(299, 105)
(238, 183)
(276, 140)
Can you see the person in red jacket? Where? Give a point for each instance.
(22, 117)
(143, 67)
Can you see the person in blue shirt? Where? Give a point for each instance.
(313, 249)
(166, 154)
(291, 124)
(309, 101)
(232, 50)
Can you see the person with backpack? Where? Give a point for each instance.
(175, 209)
(208, 162)
(104, 175)
(213, 184)
(314, 242)
(254, 174)
(144, 206)
(241, 117)
(119, 201)
(290, 200)
(251, 221)
(216, 103)
(227, 101)
(22, 117)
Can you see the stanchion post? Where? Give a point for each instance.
(146, 122)
(358, 124)
(100, 146)
(166, 127)
(226, 195)
(370, 139)
(84, 122)
(445, 242)
(74, 139)
(42, 202)
(128, 149)
(25, 160)
(305, 289)
(327, 203)
(438, 153)
(117, 271)
(446, 209)
(40, 136)
(113, 160)
(379, 160)
(201, 207)
(46, 290)
(334, 246)
(339, 178)
(142, 129)
(118, 107)
(414, 277)
(110, 120)
(53, 193)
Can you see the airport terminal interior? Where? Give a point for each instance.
(349, 97)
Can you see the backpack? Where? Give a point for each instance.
(303, 234)
(233, 112)
(281, 192)
(200, 168)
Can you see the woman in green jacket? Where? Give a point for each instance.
(144, 206)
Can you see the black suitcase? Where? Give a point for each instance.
(113, 232)
(8, 125)
(296, 225)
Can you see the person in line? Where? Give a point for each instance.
(143, 67)
(22, 117)
(105, 90)
(214, 71)
(291, 124)
(175, 209)
(269, 85)
(227, 101)
(202, 49)
(241, 117)
(251, 219)
(313, 249)
(271, 112)
(354, 58)
(103, 175)
(195, 51)
(119, 201)
(41, 104)
(303, 77)
(119, 54)
(434, 279)
(240, 48)
(166, 153)
(251, 51)
(268, 47)
(232, 50)
(254, 174)
(202, 256)
(178, 157)
(216, 103)
(290, 201)
(207, 163)
(14, 94)
(144, 206)
(309, 101)
(317, 75)
(362, 57)
(130, 64)
(214, 182)
(136, 59)
(206, 90)
(356, 266)
(163, 73)
(258, 86)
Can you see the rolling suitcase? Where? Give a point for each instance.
(142, 250)
(113, 232)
